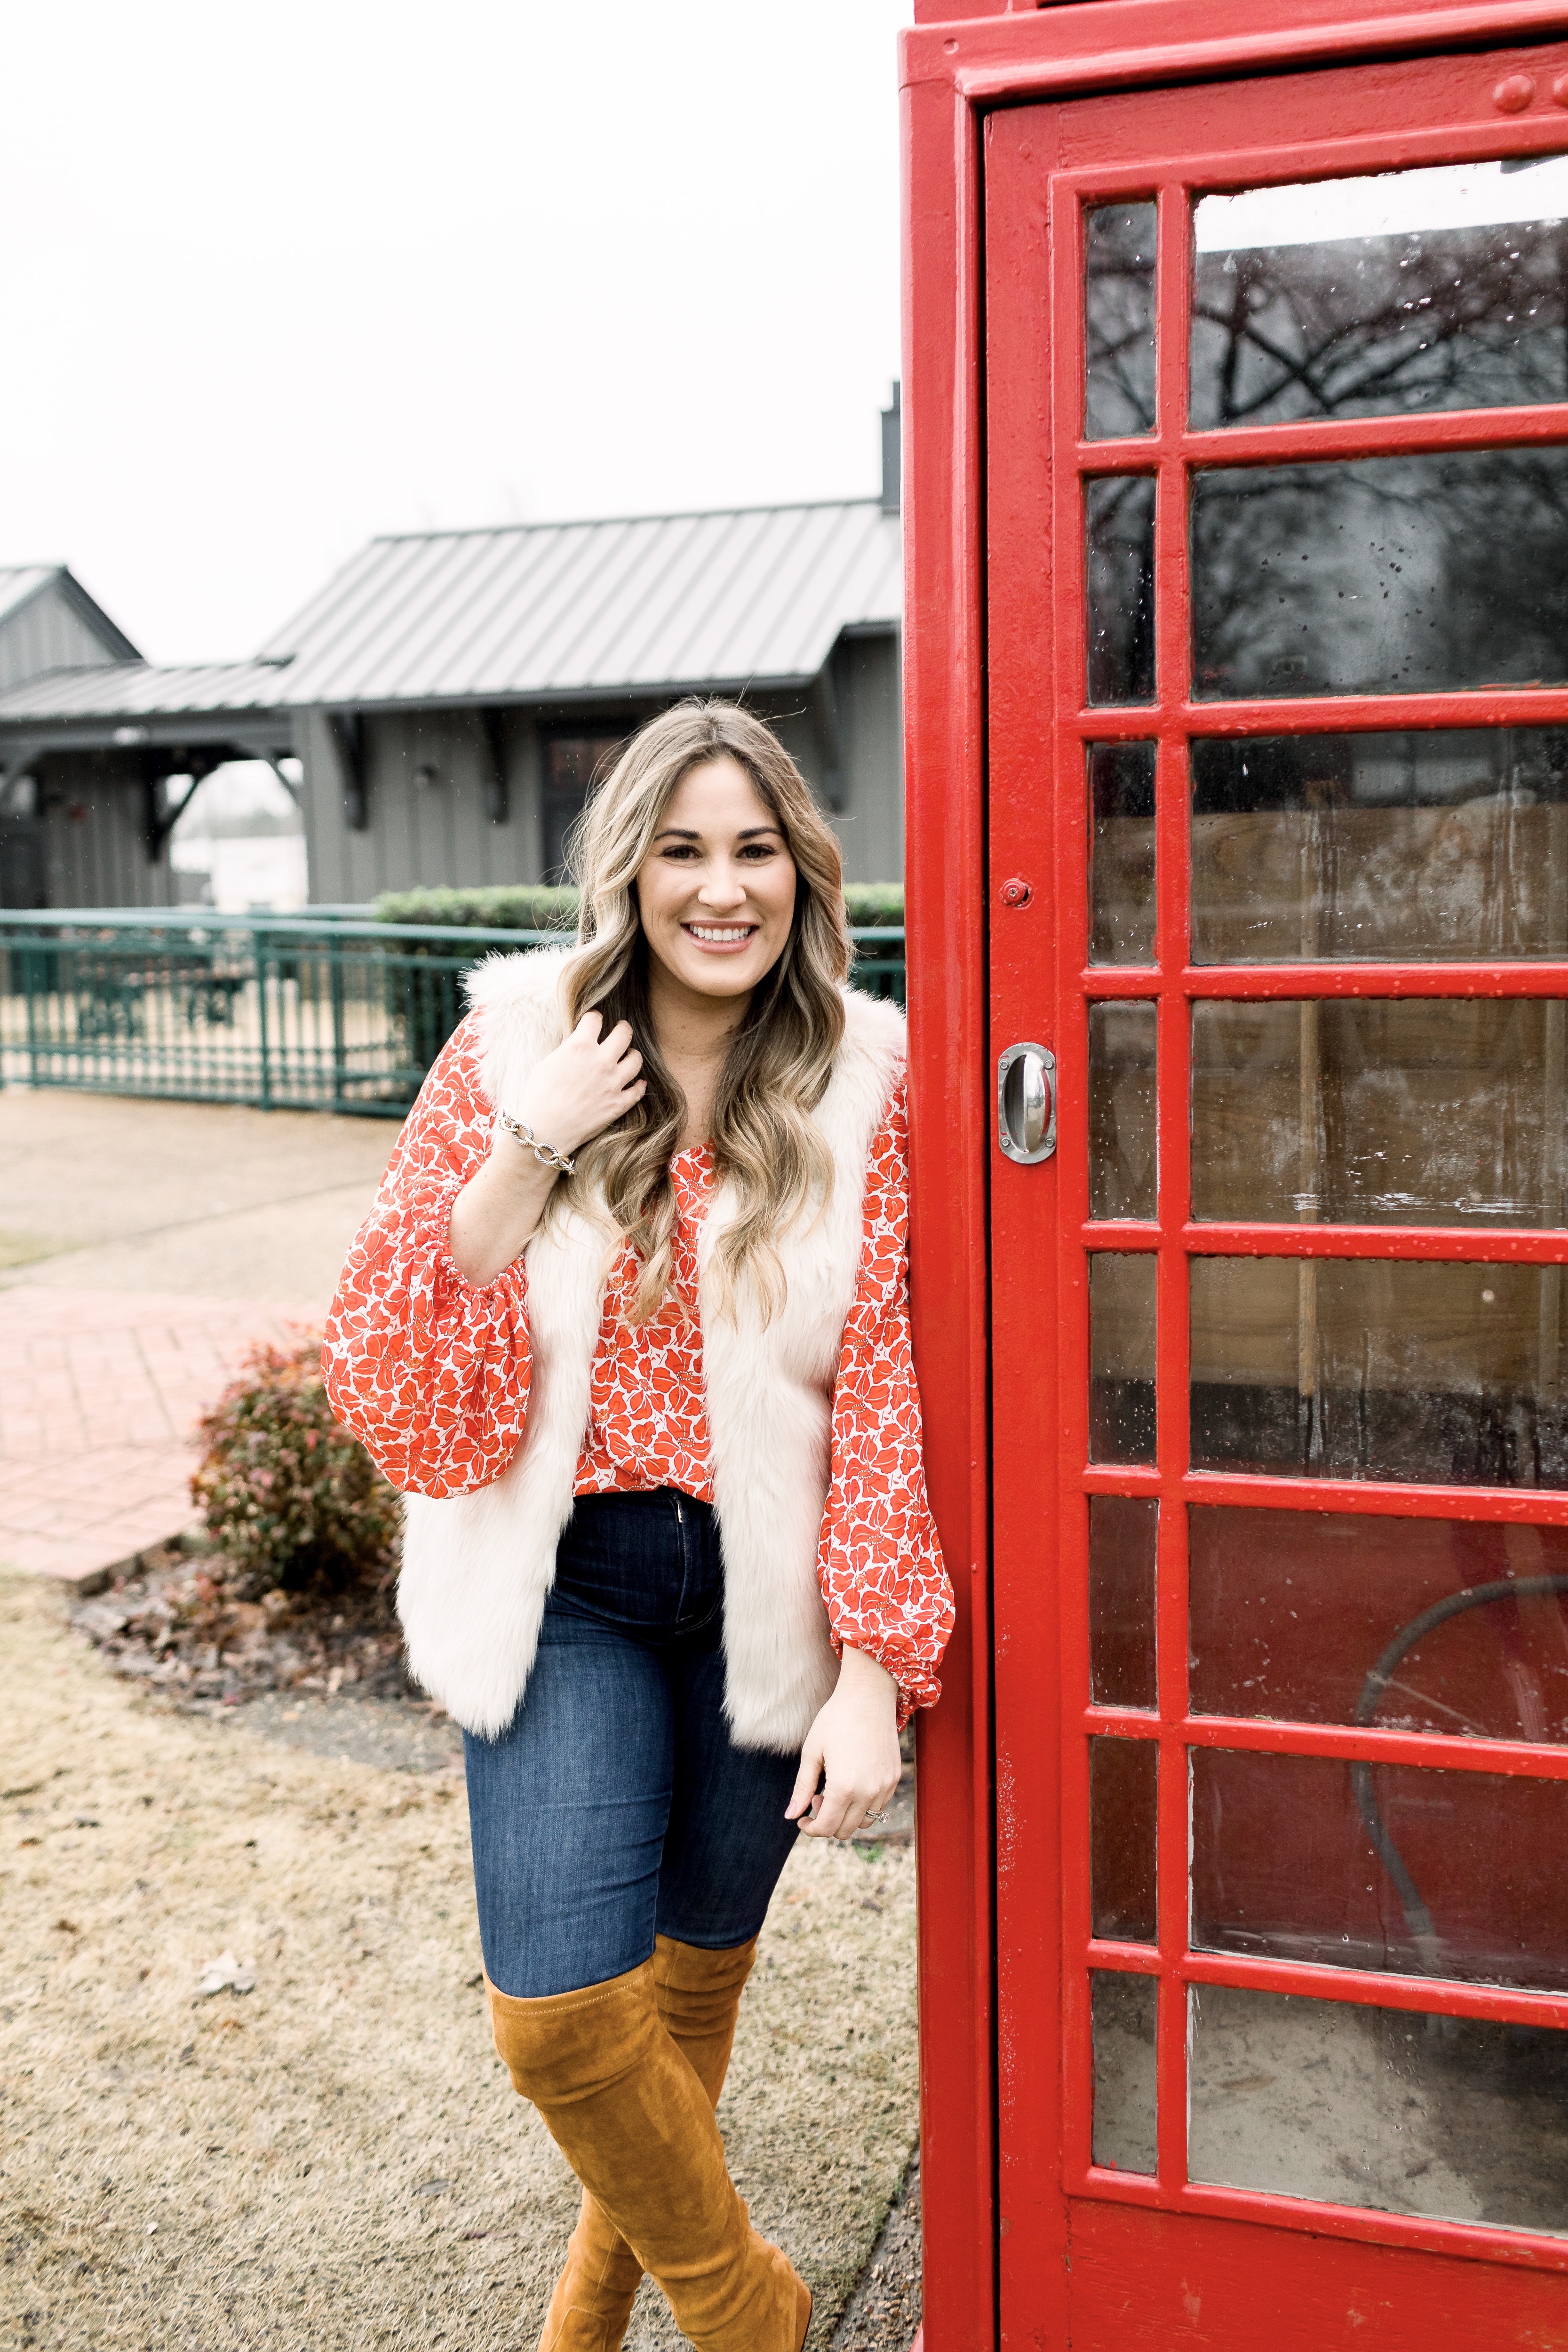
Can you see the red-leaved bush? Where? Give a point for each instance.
(289, 1498)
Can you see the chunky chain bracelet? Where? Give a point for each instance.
(545, 1153)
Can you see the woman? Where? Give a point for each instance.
(628, 1326)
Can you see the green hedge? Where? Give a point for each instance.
(872, 905)
(520, 909)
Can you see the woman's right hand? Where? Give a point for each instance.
(573, 1095)
(581, 1088)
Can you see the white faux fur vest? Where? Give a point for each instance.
(477, 1567)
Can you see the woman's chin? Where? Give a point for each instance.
(722, 972)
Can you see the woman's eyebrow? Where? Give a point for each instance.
(685, 832)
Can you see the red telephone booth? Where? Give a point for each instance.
(1236, 503)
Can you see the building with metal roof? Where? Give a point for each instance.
(49, 627)
(49, 623)
(450, 694)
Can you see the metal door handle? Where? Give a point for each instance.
(1027, 1103)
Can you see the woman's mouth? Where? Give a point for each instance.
(719, 938)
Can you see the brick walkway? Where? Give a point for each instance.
(98, 1391)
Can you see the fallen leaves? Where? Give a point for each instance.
(177, 1627)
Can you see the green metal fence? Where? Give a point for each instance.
(303, 1012)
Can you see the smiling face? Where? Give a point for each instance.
(716, 891)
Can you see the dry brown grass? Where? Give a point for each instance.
(336, 2159)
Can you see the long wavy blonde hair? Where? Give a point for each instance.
(764, 1138)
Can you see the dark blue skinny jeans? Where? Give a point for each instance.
(615, 1807)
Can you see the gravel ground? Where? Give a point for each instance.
(393, 1735)
(883, 2314)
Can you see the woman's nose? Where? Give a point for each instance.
(723, 886)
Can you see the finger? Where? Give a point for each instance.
(589, 1026)
(619, 1038)
(806, 1781)
(829, 1821)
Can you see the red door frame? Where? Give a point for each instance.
(964, 58)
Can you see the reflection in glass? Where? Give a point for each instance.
(1458, 2118)
(1121, 1155)
(1404, 847)
(1123, 2011)
(1122, 1356)
(1119, 519)
(1325, 1616)
(1118, 319)
(1122, 1530)
(1432, 288)
(1369, 1111)
(1381, 576)
(1379, 1368)
(1309, 1858)
(1123, 1776)
(1122, 853)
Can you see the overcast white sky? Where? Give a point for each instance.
(277, 278)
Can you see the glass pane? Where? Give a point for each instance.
(1427, 290)
(1417, 1111)
(1123, 1775)
(1121, 1160)
(1121, 1357)
(1119, 511)
(1381, 576)
(1448, 1625)
(1378, 1368)
(1381, 1866)
(1388, 2109)
(1122, 1530)
(1124, 2109)
(1118, 319)
(1121, 852)
(1405, 847)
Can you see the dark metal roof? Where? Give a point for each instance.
(535, 612)
(145, 690)
(636, 605)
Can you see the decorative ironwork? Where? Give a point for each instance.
(300, 1012)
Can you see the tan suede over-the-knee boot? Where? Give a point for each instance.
(627, 2111)
(698, 1995)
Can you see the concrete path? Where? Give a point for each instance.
(145, 1245)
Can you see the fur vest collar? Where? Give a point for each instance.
(477, 1567)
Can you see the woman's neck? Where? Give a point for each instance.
(692, 1033)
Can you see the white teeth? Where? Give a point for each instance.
(721, 938)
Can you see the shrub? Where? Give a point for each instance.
(289, 1498)
(520, 909)
(874, 905)
(879, 905)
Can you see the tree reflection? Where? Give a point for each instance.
(1384, 576)
(1414, 573)
(1375, 326)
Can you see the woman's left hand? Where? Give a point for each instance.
(854, 1742)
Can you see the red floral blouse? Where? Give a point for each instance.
(431, 1371)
